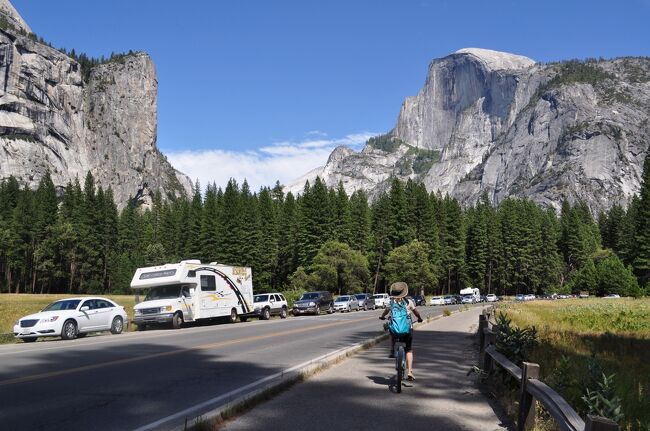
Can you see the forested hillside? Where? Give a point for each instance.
(322, 239)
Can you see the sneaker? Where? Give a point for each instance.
(410, 376)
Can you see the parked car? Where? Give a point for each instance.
(468, 299)
(346, 303)
(520, 297)
(437, 300)
(72, 318)
(450, 300)
(530, 297)
(382, 300)
(419, 300)
(613, 295)
(367, 302)
(313, 303)
(583, 295)
(491, 297)
(266, 305)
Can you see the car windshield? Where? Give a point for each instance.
(342, 298)
(448, 297)
(69, 304)
(310, 296)
(361, 296)
(437, 297)
(261, 298)
(163, 292)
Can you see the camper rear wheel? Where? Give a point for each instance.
(266, 314)
(233, 316)
(283, 313)
(177, 320)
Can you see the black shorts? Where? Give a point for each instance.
(406, 339)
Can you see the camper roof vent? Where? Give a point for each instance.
(196, 261)
(214, 263)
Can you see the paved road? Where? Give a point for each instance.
(358, 394)
(134, 379)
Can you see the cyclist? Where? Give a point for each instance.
(398, 292)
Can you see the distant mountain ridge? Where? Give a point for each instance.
(52, 119)
(500, 124)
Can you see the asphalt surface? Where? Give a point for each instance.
(359, 393)
(128, 381)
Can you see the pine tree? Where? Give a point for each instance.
(359, 221)
(268, 242)
(641, 262)
(452, 245)
(342, 216)
(287, 240)
(208, 238)
(400, 230)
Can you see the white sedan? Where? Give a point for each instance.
(72, 318)
(437, 300)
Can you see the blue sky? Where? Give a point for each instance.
(265, 89)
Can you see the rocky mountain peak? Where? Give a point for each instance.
(104, 121)
(497, 60)
(488, 122)
(13, 17)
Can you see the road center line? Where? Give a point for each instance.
(208, 346)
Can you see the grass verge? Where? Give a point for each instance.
(613, 333)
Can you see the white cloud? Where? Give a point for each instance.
(281, 161)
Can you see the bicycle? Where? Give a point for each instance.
(400, 362)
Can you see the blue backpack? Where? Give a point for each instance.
(400, 321)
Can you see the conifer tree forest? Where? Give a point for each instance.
(323, 239)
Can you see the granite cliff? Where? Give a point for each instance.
(501, 124)
(52, 118)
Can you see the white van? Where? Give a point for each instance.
(189, 291)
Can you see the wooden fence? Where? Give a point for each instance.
(531, 389)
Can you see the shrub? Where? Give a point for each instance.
(446, 312)
(603, 401)
(515, 343)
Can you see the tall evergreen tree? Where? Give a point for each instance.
(641, 262)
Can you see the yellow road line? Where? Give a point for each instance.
(169, 353)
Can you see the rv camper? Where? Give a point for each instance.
(470, 295)
(190, 291)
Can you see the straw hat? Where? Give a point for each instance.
(399, 289)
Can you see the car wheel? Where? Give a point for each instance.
(283, 313)
(29, 339)
(331, 309)
(365, 307)
(69, 331)
(177, 320)
(233, 316)
(266, 314)
(317, 311)
(118, 325)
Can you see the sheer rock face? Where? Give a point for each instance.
(51, 120)
(497, 123)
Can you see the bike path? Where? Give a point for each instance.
(359, 394)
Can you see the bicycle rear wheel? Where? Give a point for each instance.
(399, 365)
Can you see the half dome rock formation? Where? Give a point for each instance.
(55, 116)
(488, 122)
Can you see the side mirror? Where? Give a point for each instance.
(85, 308)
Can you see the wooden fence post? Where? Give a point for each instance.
(490, 338)
(526, 400)
(598, 423)
(482, 324)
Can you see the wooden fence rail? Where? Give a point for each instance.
(531, 389)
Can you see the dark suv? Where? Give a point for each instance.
(313, 303)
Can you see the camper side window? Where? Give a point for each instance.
(208, 283)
